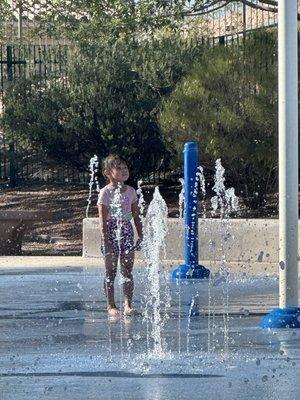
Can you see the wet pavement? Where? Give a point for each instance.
(57, 343)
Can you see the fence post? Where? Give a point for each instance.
(0, 159)
(9, 60)
(11, 153)
(12, 166)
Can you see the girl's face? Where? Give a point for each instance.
(118, 173)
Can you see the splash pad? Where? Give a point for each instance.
(199, 334)
(63, 346)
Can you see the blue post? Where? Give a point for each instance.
(190, 269)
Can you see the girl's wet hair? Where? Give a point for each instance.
(112, 161)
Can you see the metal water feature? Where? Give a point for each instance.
(191, 269)
(288, 313)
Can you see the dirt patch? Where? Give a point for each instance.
(62, 234)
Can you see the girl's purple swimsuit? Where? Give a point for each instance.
(126, 242)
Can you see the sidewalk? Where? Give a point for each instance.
(49, 262)
(65, 262)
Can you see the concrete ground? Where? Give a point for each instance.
(56, 341)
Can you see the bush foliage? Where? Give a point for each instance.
(228, 103)
(143, 98)
(107, 102)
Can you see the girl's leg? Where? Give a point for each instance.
(111, 262)
(127, 261)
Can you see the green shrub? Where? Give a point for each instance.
(228, 103)
(102, 106)
(107, 101)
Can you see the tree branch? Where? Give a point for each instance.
(206, 10)
(261, 7)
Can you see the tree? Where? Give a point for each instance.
(94, 21)
(229, 104)
(6, 15)
(87, 21)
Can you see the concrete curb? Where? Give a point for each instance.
(75, 262)
(245, 241)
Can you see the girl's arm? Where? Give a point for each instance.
(103, 215)
(137, 219)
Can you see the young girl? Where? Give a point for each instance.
(115, 169)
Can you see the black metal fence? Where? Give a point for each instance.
(21, 167)
(23, 61)
(18, 166)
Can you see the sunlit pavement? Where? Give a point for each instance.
(57, 343)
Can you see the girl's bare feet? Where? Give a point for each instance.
(128, 310)
(113, 312)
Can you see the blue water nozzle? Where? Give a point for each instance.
(186, 272)
(278, 318)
